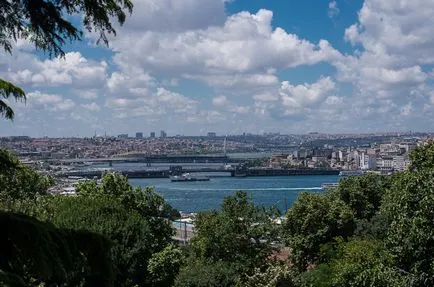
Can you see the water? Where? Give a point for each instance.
(206, 195)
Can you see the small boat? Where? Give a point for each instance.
(329, 185)
(186, 177)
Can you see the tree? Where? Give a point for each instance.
(145, 201)
(164, 266)
(8, 90)
(206, 273)
(422, 157)
(275, 274)
(34, 252)
(18, 182)
(133, 242)
(362, 194)
(357, 263)
(45, 24)
(314, 220)
(241, 233)
(409, 207)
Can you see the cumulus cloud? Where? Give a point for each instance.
(74, 69)
(173, 64)
(52, 102)
(245, 43)
(91, 107)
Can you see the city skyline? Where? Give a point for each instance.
(234, 67)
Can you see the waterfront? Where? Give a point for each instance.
(199, 196)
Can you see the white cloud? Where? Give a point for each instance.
(50, 102)
(246, 43)
(305, 95)
(333, 9)
(91, 107)
(220, 101)
(74, 69)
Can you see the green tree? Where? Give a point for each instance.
(20, 183)
(357, 263)
(408, 205)
(241, 233)
(274, 274)
(164, 266)
(46, 25)
(145, 201)
(206, 273)
(422, 157)
(314, 220)
(362, 194)
(133, 242)
(7, 161)
(34, 252)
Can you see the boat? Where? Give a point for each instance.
(351, 172)
(186, 177)
(329, 185)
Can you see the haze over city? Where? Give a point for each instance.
(236, 66)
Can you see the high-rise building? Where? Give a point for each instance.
(163, 134)
(152, 135)
(139, 135)
(123, 136)
(212, 135)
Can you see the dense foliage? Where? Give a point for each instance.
(370, 231)
(112, 225)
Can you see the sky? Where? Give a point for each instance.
(194, 66)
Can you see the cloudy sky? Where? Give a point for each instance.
(193, 66)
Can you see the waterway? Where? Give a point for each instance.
(280, 191)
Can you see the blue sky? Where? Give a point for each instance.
(193, 66)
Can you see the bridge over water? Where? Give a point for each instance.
(149, 159)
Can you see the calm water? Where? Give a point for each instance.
(200, 196)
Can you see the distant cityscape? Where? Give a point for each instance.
(385, 152)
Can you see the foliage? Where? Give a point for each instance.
(133, 242)
(357, 263)
(45, 23)
(275, 274)
(314, 220)
(144, 200)
(206, 273)
(21, 183)
(164, 266)
(240, 233)
(409, 207)
(8, 90)
(41, 253)
(422, 157)
(8, 162)
(362, 193)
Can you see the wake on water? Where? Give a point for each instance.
(248, 189)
